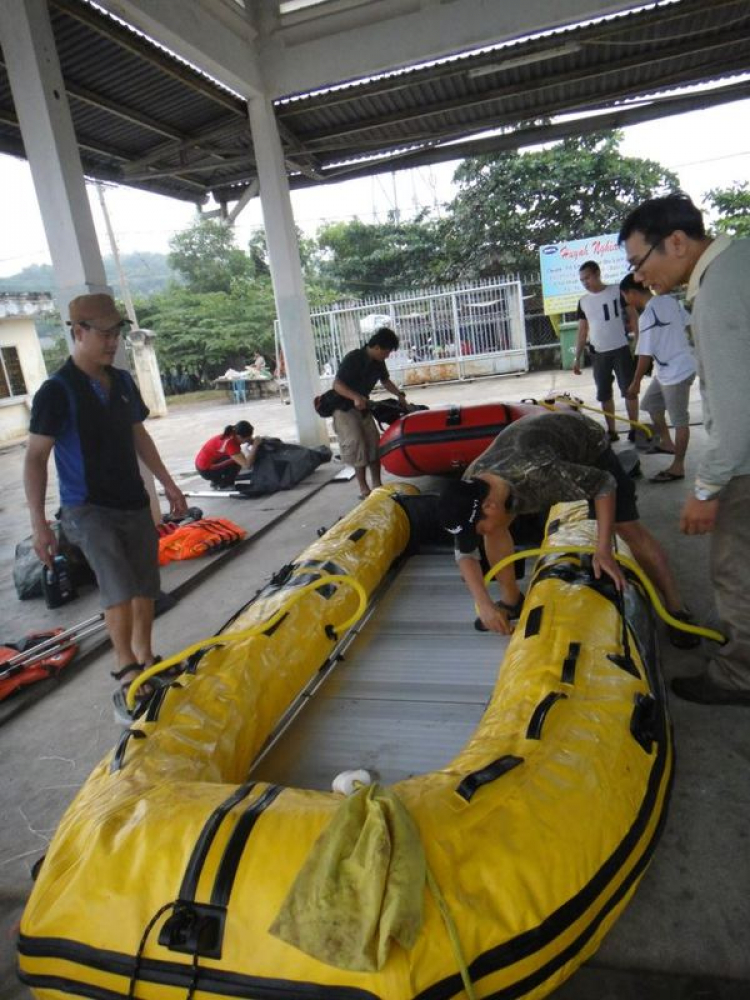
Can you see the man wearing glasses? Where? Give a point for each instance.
(91, 414)
(667, 245)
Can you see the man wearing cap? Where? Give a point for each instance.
(537, 461)
(91, 414)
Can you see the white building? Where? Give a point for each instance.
(22, 367)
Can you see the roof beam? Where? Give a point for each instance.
(341, 139)
(164, 150)
(382, 35)
(198, 167)
(86, 96)
(649, 110)
(217, 38)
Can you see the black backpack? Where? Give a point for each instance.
(329, 401)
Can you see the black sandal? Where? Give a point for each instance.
(123, 714)
(169, 673)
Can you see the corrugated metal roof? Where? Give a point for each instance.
(145, 118)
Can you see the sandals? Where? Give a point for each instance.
(513, 611)
(665, 476)
(123, 714)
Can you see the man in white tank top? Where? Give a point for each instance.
(601, 322)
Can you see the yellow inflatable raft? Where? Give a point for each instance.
(169, 867)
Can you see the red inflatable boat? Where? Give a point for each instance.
(446, 439)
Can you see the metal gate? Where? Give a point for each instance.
(460, 332)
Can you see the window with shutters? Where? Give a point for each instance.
(12, 382)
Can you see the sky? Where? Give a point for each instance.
(706, 149)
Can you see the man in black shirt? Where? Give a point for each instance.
(91, 415)
(358, 374)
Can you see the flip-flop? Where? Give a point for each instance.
(656, 450)
(665, 477)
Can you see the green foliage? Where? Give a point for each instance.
(733, 206)
(206, 257)
(56, 353)
(511, 204)
(211, 331)
(361, 259)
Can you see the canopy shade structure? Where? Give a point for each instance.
(146, 118)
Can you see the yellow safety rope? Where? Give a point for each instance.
(594, 409)
(256, 629)
(661, 611)
(453, 937)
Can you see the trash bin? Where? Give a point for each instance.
(568, 338)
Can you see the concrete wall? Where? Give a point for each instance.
(20, 332)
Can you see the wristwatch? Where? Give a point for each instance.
(701, 493)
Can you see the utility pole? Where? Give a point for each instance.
(141, 341)
(124, 289)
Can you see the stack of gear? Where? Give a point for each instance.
(208, 535)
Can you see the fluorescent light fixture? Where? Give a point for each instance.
(526, 60)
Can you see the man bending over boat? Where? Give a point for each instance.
(537, 461)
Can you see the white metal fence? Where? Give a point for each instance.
(463, 331)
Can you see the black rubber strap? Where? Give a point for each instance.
(534, 731)
(487, 774)
(534, 621)
(118, 758)
(232, 856)
(568, 675)
(206, 838)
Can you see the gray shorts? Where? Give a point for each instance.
(121, 546)
(673, 399)
(358, 436)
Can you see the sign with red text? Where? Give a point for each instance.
(559, 264)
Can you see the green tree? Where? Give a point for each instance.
(358, 258)
(733, 206)
(207, 257)
(510, 204)
(210, 331)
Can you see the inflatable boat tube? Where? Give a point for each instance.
(445, 440)
(170, 866)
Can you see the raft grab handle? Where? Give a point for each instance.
(487, 774)
(534, 731)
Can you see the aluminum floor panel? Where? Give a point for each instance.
(425, 669)
(407, 696)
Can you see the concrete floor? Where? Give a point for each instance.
(684, 935)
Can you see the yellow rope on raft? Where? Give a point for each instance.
(707, 633)
(594, 409)
(220, 640)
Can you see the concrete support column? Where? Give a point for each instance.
(44, 115)
(41, 104)
(286, 273)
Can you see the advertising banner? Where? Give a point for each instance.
(559, 263)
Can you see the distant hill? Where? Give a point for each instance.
(146, 273)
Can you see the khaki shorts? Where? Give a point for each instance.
(672, 398)
(358, 436)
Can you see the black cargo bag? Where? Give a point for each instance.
(27, 569)
(279, 466)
